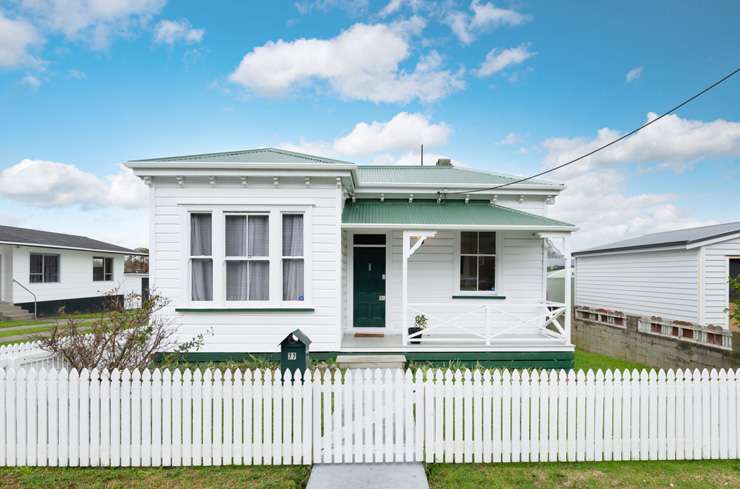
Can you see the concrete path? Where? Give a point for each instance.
(368, 476)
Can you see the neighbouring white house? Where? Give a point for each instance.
(250, 245)
(676, 282)
(47, 272)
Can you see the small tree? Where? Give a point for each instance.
(118, 337)
(735, 301)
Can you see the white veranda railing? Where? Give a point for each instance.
(487, 323)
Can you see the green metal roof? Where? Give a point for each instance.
(446, 213)
(438, 175)
(260, 155)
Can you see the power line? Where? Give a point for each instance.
(610, 143)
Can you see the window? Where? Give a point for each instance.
(201, 257)
(102, 269)
(293, 259)
(247, 258)
(477, 261)
(44, 268)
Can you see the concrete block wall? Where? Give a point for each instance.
(655, 351)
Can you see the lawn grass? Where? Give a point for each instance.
(585, 360)
(47, 319)
(252, 477)
(30, 330)
(700, 474)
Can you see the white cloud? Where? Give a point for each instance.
(391, 7)
(633, 74)
(95, 21)
(44, 184)
(31, 81)
(404, 132)
(17, 38)
(500, 59)
(172, 31)
(361, 63)
(510, 139)
(482, 17)
(672, 142)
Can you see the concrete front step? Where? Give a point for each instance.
(10, 312)
(371, 361)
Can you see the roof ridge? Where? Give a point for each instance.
(269, 149)
(459, 168)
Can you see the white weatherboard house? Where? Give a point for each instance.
(250, 245)
(676, 282)
(52, 271)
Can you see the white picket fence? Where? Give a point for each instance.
(28, 354)
(153, 418)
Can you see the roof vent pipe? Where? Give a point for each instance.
(444, 162)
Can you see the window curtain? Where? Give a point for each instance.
(236, 236)
(202, 269)
(258, 236)
(200, 234)
(293, 268)
(292, 235)
(259, 280)
(236, 280)
(202, 280)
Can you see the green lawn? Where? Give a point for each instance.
(593, 475)
(47, 319)
(291, 477)
(585, 360)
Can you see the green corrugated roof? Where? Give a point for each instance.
(451, 212)
(260, 155)
(438, 175)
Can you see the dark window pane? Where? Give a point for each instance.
(369, 239)
(236, 280)
(258, 233)
(293, 280)
(51, 268)
(734, 272)
(468, 243)
(259, 280)
(487, 243)
(109, 268)
(202, 280)
(486, 273)
(37, 263)
(200, 234)
(468, 273)
(98, 268)
(236, 235)
(292, 234)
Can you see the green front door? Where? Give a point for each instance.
(369, 287)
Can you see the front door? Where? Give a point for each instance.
(369, 287)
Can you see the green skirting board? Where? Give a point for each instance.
(541, 359)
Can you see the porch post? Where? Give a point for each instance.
(568, 286)
(406, 245)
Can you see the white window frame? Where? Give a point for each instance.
(218, 233)
(112, 268)
(43, 268)
(456, 266)
(286, 257)
(226, 259)
(191, 257)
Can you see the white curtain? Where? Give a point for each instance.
(236, 235)
(202, 269)
(292, 235)
(259, 280)
(258, 236)
(202, 280)
(200, 234)
(293, 246)
(236, 280)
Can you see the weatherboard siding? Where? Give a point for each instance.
(716, 273)
(249, 331)
(75, 275)
(660, 283)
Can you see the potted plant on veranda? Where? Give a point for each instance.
(420, 322)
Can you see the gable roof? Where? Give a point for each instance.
(46, 239)
(680, 237)
(453, 214)
(376, 175)
(259, 155)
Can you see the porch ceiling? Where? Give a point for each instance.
(447, 214)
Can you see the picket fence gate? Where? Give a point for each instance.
(158, 417)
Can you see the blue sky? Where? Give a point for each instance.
(504, 86)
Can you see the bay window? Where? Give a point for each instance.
(201, 257)
(247, 257)
(477, 261)
(292, 258)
